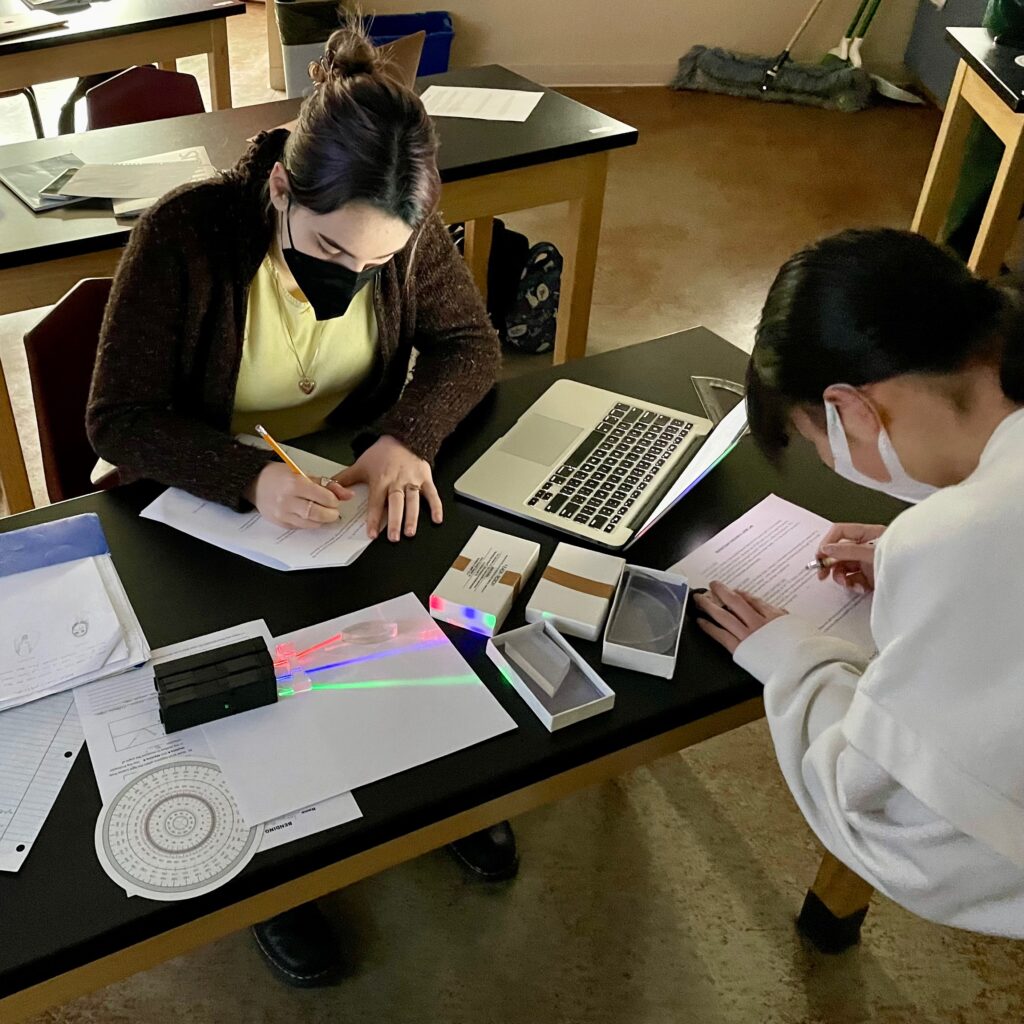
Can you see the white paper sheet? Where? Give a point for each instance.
(356, 713)
(62, 625)
(248, 534)
(479, 104)
(38, 745)
(120, 718)
(766, 552)
(129, 181)
(197, 154)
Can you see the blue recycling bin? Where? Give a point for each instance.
(437, 48)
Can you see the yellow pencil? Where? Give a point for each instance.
(279, 451)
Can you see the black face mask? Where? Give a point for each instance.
(329, 287)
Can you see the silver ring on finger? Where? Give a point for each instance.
(325, 481)
(309, 508)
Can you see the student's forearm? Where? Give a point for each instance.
(176, 451)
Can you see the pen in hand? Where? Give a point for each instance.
(827, 563)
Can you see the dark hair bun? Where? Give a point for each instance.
(348, 54)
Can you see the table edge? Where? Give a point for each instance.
(63, 37)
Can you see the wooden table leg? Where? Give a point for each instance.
(13, 474)
(577, 287)
(947, 160)
(477, 250)
(167, 65)
(275, 58)
(220, 68)
(1000, 219)
(834, 907)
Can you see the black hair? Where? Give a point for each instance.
(362, 136)
(864, 306)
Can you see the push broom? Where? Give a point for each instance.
(712, 69)
(847, 53)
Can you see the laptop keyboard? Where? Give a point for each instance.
(612, 469)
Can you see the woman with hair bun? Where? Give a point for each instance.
(907, 375)
(291, 291)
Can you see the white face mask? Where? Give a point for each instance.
(900, 483)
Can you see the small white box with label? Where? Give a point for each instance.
(575, 591)
(478, 590)
(557, 684)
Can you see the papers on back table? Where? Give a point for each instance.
(480, 104)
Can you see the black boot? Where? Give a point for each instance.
(489, 854)
(301, 947)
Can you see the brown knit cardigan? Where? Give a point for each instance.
(171, 344)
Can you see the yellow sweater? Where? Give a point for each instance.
(268, 389)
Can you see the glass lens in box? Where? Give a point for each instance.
(552, 675)
(647, 615)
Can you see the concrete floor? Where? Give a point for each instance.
(667, 896)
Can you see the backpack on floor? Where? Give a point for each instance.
(531, 322)
(509, 252)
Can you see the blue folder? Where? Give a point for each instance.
(64, 540)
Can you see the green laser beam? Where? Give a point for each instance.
(385, 684)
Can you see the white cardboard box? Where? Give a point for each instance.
(575, 591)
(646, 621)
(478, 590)
(581, 695)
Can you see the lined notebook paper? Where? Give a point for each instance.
(38, 746)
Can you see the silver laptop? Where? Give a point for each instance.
(600, 466)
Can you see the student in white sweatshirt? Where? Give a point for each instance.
(907, 375)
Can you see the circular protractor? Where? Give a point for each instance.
(175, 832)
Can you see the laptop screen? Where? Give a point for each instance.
(716, 446)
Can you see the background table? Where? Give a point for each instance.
(560, 154)
(77, 931)
(111, 34)
(988, 84)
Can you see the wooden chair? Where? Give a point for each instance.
(33, 106)
(61, 351)
(143, 93)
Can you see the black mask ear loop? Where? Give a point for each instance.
(288, 222)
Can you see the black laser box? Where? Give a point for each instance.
(203, 687)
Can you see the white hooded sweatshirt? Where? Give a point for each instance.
(909, 766)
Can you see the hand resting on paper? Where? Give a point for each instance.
(851, 548)
(730, 616)
(294, 501)
(397, 479)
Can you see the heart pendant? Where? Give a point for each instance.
(307, 386)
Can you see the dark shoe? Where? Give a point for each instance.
(301, 947)
(490, 854)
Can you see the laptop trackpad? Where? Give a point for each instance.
(540, 439)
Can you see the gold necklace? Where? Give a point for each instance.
(307, 383)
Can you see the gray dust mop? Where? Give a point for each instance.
(711, 69)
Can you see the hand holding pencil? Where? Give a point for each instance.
(847, 554)
(287, 497)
